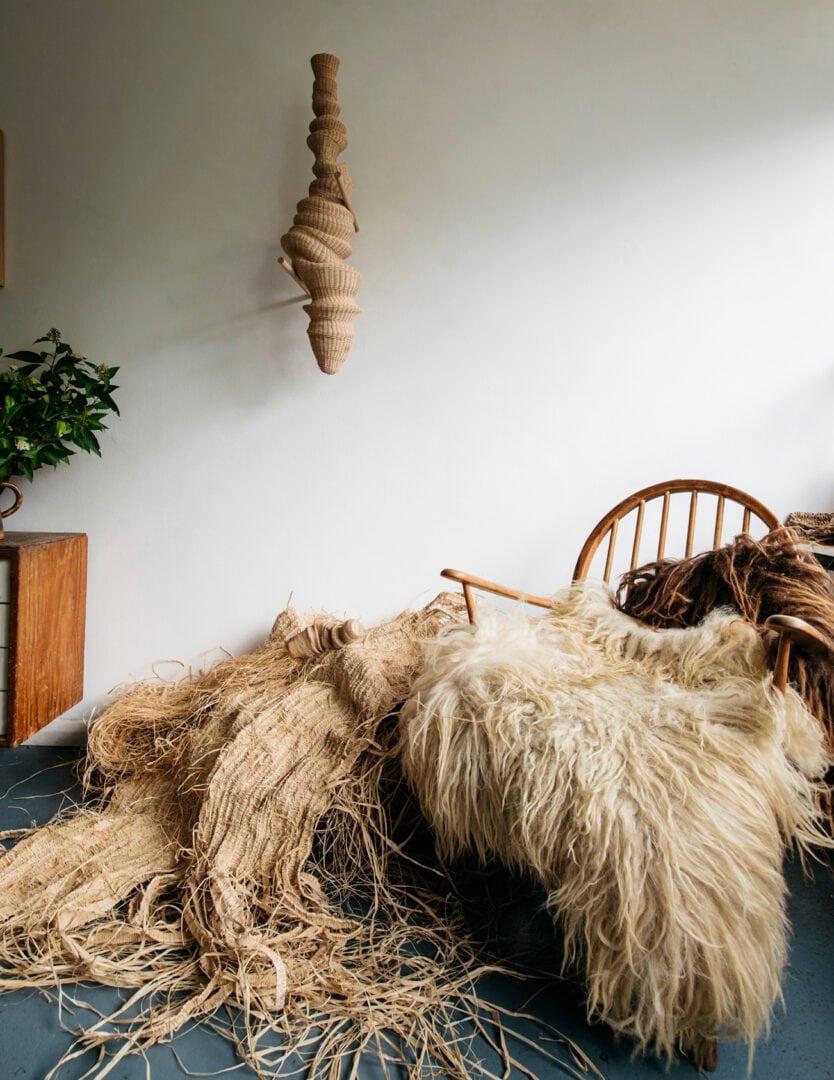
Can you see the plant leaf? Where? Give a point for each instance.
(25, 354)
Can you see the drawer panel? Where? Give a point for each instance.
(5, 581)
(4, 669)
(4, 698)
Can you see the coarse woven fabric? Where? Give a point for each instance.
(813, 525)
(650, 780)
(240, 820)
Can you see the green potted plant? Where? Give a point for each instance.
(51, 401)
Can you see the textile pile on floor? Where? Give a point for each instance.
(239, 848)
(650, 781)
(243, 849)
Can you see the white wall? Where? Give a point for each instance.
(596, 252)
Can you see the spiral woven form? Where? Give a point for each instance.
(320, 237)
(323, 635)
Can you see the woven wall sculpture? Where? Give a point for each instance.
(320, 237)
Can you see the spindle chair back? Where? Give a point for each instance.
(661, 497)
(788, 628)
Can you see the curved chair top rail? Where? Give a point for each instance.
(609, 525)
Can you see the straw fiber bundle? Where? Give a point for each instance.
(324, 223)
(757, 579)
(240, 826)
(649, 780)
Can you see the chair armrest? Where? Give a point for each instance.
(469, 582)
(792, 630)
(801, 633)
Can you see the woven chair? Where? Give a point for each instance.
(659, 505)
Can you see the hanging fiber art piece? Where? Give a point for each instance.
(649, 780)
(320, 237)
(756, 578)
(242, 852)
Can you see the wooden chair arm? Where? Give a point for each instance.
(469, 582)
(792, 630)
(801, 633)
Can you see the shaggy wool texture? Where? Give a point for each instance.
(756, 578)
(650, 780)
(241, 853)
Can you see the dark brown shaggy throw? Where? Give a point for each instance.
(771, 576)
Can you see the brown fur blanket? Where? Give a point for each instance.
(772, 576)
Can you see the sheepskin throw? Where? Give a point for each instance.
(651, 781)
(772, 576)
(238, 812)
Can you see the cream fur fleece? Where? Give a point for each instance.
(651, 780)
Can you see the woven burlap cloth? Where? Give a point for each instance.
(818, 527)
(194, 876)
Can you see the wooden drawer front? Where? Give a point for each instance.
(5, 620)
(42, 600)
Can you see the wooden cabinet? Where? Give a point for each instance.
(43, 594)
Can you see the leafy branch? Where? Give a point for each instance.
(50, 401)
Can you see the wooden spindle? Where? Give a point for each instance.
(638, 533)
(612, 542)
(664, 524)
(690, 528)
(745, 521)
(719, 522)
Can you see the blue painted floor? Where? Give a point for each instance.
(801, 1045)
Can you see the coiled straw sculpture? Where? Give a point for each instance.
(320, 237)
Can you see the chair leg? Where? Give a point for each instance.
(783, 659)
(470, 602)
(704, 1055)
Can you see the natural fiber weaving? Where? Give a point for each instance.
(240, 822)
(319, 239)
(813, 526)
(651, 782)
